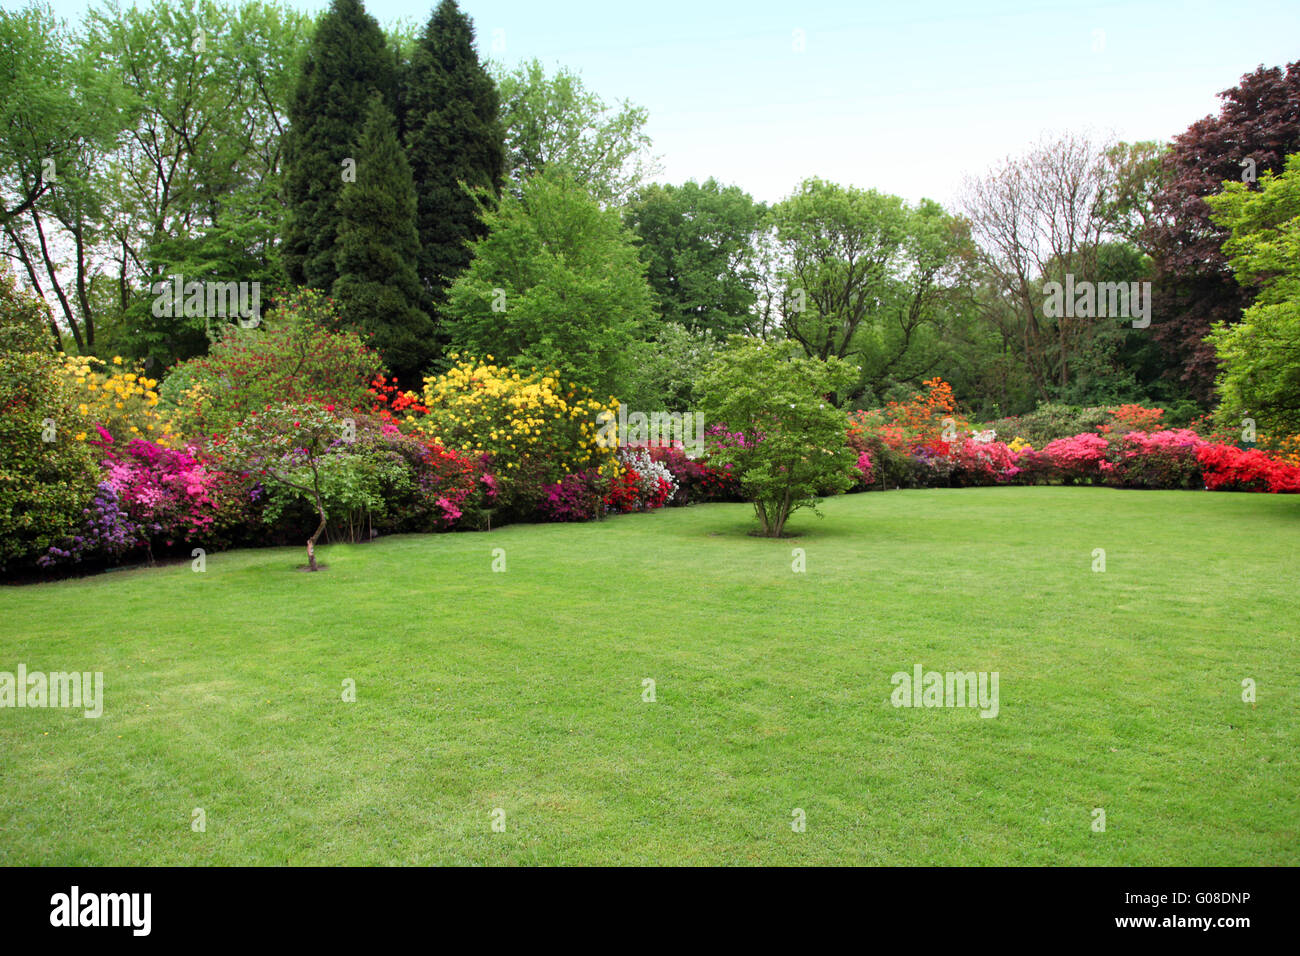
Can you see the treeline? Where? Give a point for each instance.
(452, 205)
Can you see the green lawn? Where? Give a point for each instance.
(523, 691)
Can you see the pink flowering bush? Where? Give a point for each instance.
(1079, 458)
(1157, 459)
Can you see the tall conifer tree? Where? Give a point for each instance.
(378, 289)
(347, 61)
(453, 136)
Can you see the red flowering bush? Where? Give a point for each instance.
(696, 479)
(982, 463)
(1228, 468)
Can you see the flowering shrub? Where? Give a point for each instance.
(532, 430)
(118, 397)
(1134, 418)
(1078, 458)
(293, 356)
(697, 480)
(577, 497)
(1159, 459)
(1228, 468)
(164, 491)
(927, 416)
(106, 532)
(982, 462)
(865, 469)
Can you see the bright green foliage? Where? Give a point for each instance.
(698, 243)
(378, 290)
(347, 62)
(664, 371)
(1261, 353)
(454, 142)
(554, 122)
(786, 441)
(47, 475)
(556, 285)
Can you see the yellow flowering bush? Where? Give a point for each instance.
(1018, 445)
(117, 396)
(532, 428)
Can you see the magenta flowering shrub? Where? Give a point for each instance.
(865, 470)
(164, 491)
(576, 497)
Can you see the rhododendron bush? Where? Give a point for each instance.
(531, 429)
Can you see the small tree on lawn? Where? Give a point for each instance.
(784, 440)
(289, 444)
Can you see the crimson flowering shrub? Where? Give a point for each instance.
(696, 479)
(982, 463)
(1228, 468)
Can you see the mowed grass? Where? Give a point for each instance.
(523, 691)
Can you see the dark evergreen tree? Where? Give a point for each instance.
(378, 289)
(453, 135)
(347, 61)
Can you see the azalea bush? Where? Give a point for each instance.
(531, 429)
(1079, 458)
(697, 479)
(639, 483)
(117, 396)
(1228, 468)
(1157, 459)
(576, 497)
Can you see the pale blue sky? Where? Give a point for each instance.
(907, 98)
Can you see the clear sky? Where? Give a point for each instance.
(903, 97)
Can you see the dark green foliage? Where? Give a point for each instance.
(347, 62)
(453, 136)
(377, 289)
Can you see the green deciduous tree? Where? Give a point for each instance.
(698, 242)
(555, 121)
(788, 442)
(1261, 354)
(556, 284)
